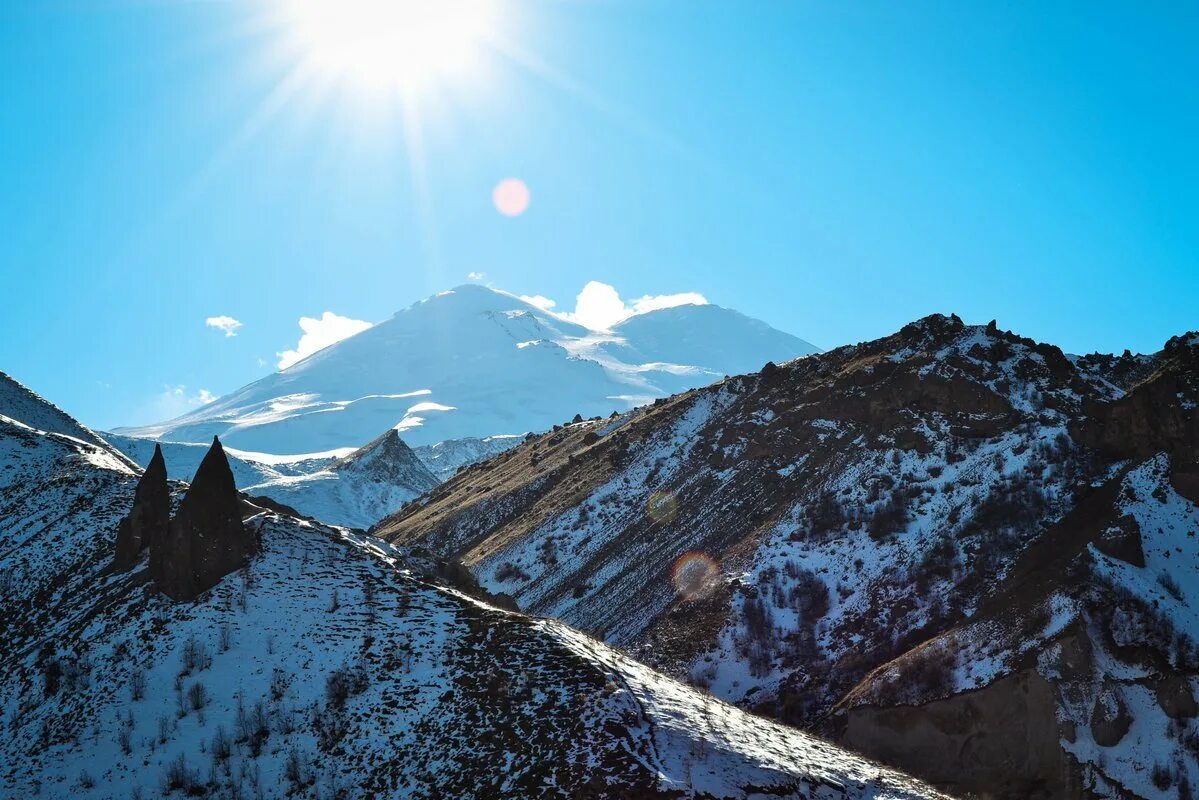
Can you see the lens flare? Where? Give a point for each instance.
(695, 575)
(662, 507)
(511, 197)
(402, 42)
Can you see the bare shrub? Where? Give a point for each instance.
(510, 572)
(197, 696)
(194, 656)
(179, 776)
(1162, 777)
(166, 726)
(279, 683)
(296, 771)
(1167, 582)
(221, 747)
(891, 517)
(137, 684)
(253, 726)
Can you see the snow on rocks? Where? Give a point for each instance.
(325, 668)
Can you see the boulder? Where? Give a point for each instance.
(1175, 697)
(1123, 541)
(147, 522)
(1110, 718)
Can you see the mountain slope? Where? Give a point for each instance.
(357, 490)
(21, 404)
(470, 362)
(249, 469)
(720, 340)
(325, 667)
(777, 537)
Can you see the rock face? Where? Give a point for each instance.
(206, 539)
(1000, 741)
(1174, 695)
(147, 523)
(1110, 718)
(1161, 414)
(356, 491)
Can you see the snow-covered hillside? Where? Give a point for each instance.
(776, 537)
(356, 491)
(19, 403)
(325, 668)
(249, 469)
(445, 458)
(475, 362)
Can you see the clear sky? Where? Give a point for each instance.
(833, 168)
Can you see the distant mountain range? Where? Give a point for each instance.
(474, 362)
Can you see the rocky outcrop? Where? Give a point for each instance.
(206, 539)
(1110, 718)
(1161, 414)
(387, 459)
(1123, 541)
(147, 522)
(1174, 695)
(997, 742)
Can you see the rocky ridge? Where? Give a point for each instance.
(786, 539)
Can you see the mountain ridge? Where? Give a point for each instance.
(777, 537)
(467, 362)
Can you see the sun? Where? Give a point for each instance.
(399, 43)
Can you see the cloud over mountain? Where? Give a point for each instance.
(319, 334)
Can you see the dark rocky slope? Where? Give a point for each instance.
(788, 538)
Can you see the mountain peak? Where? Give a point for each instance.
(388, 458)
(475, 362)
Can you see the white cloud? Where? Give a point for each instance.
(655, 302)
(205, 397)
(544, 303)
(599, 306)
(319, 334)
(476, 276)
(223, 323)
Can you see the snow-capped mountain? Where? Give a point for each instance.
(953, 540)
(476, 362)
(358, 490)
(445, 458)
(322, 666)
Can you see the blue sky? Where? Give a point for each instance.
(833, 168)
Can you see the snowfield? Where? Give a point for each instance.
(476, 363)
